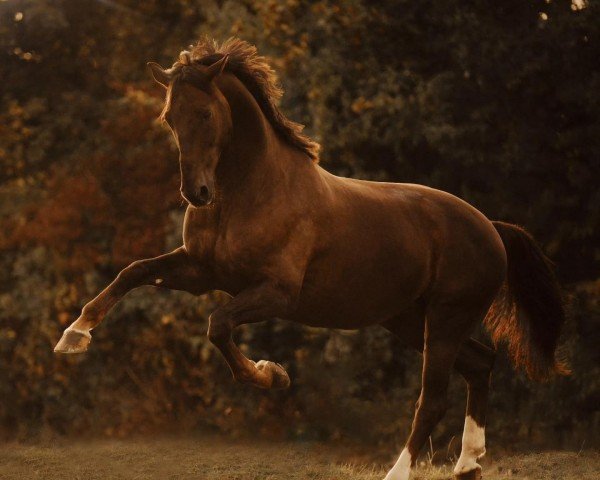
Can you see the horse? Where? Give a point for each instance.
(287, 239)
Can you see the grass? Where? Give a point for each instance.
(206, 458)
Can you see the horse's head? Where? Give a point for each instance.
(200, 119)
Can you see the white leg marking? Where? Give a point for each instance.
(401, 469)
(83, 331)
(473, 447)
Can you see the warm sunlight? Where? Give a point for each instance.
(299, 239)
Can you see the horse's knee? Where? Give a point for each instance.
(133, 271)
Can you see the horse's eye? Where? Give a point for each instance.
(205, 114)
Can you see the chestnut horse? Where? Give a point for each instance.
(287, 239)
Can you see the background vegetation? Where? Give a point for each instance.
(497, 102)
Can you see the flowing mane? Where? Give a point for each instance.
(258, 77)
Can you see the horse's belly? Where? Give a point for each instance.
(334, 315)
(331, 310)
(356, 292)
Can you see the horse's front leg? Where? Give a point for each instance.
(173, 270)
(253, 305)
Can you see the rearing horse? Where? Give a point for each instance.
(287, 239)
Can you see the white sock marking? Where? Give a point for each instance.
(473, 447)
(84, 331)
(401, 469)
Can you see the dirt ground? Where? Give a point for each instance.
(206, 458)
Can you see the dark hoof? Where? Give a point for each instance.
(470, 475)
(276, 376)
(73, 341)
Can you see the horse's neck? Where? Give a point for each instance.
(257, 161)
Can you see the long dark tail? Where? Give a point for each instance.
(528, 314)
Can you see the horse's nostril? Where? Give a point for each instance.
(203, 192)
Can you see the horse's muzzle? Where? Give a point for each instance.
(201, 198)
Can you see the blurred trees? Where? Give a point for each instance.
(495, 102)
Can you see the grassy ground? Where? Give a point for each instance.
(210, 459)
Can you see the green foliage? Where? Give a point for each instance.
(496, 102)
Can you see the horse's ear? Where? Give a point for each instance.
(217, 68)
(159, 74)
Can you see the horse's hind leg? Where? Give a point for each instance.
(446, 329)
(173, 270)
(474, 362)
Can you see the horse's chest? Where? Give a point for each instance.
(232, 257)
(200, 233)
(240, 255)
(245, 250)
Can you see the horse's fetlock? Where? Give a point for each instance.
(89, 312)
(479, 451)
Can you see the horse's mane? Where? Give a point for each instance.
(260, 80)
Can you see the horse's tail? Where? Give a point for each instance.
(528, 314)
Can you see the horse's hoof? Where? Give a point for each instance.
(279, 377)
(474, 474)
(73, 341)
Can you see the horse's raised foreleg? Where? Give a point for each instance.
(253, 305)
(474, 362)
(173, 270)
